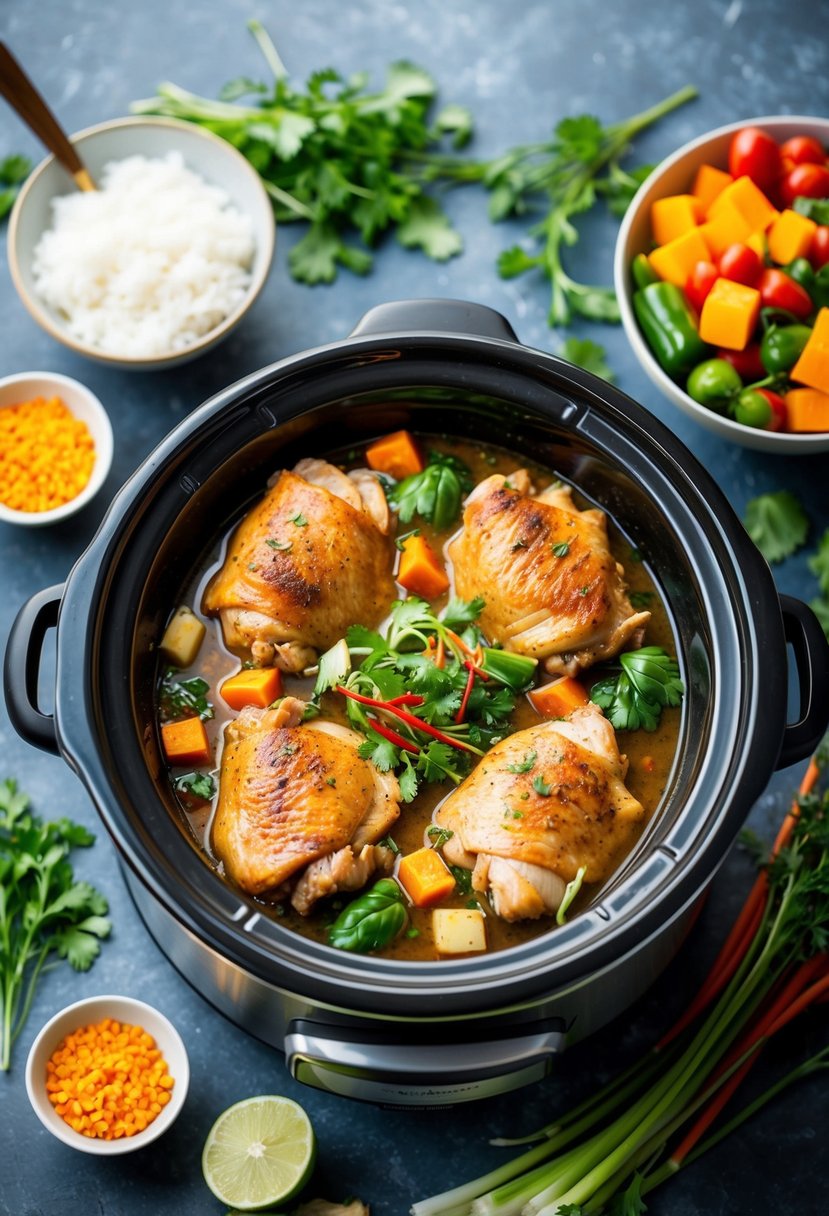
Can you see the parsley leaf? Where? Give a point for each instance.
(819, 563)
(43, 910)
(201, 785)
(588, 355)
(542, 787)
(185, 698)
(648, 682)
(777, 524)
(428, 228)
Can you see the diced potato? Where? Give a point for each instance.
(458, 930)
(182, 637)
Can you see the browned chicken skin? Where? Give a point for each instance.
(553, 590)
(310, 559)
(298, 809)
(526, 834)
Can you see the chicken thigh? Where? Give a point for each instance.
(299, 811)
(313, 557)
(542, 804)
(553, 590)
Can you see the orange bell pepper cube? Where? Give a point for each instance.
(259, 686)
(673, 215)
(424, 877)
(397, 454)
(812, 368)
(675, 260)
(420, 570)
(708, 183)
(790, 237)
(558, 698)
(729, 314)
(807, 410)
(186, 742)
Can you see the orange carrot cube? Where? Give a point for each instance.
(420, 570)
(186, 742)
(708, 183)
(812, 368)
(729, 314)
(397, 454)
(807, 410)
(673, 215)
(675, 260)
(558, 698)
(790, 236)
(259, 686)
(424, 877)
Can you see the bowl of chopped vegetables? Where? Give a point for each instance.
(156, 265)
(722, 275)
(107, 1074)
(55, 447)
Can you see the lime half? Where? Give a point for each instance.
(259, 1152)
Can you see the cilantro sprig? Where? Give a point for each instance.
(184, 698)
(435, 493)
(427, 695)
(44, 910)
(333, 154)
(777, 524)
(648, 682)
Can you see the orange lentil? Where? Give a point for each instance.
(46, 455)
(108, 1080)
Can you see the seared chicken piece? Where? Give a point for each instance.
(313, 557)
(295, 797)
(525, 834)
(553, 590)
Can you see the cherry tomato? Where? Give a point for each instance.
(699, 282)
(819, 248)
(811, 181)
(741, 264)
(754, 153)
(747, 363)
(779, 420)
(803, 150)
(777, 290)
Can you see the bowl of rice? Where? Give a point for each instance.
(161, 261)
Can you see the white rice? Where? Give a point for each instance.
(147, 264)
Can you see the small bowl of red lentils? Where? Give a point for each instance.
(55, 447)
(107, 1075)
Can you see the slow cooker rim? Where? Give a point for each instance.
(525, 359)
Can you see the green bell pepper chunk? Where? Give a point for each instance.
(669, 325)
(371, 921)
(781, 346)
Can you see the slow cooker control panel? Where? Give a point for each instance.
(392, 1069)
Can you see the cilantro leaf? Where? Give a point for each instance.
(427, 227)
(184, 698)
(777, 524)
(526, 764)
(201, 785)
(588, 355)
(381, 752)
(648, 682)
(579, 138)
(315, 256)
(515, 261)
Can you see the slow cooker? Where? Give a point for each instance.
(399, 1032)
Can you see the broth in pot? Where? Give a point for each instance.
(421, 701)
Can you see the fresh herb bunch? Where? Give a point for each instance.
(561, 178)
(634, 699)
(358, 164)
(612, 1149)
(427, 695)
(435, 494)
(43, 909)
(13, 172)
(333, 155)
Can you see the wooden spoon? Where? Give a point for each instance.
(22, 95)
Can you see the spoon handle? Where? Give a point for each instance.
(22, 95)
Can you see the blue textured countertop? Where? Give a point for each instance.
(520, 67)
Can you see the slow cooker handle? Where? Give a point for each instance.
(811, 654)
(441, 316)
(21, 669)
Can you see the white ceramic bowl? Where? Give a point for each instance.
(84, 405)
(88, 1012)
(675, 175)
(215, 160)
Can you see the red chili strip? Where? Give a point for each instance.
(393, 737)
(408, 718)
(408, 698)
(470, 680)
